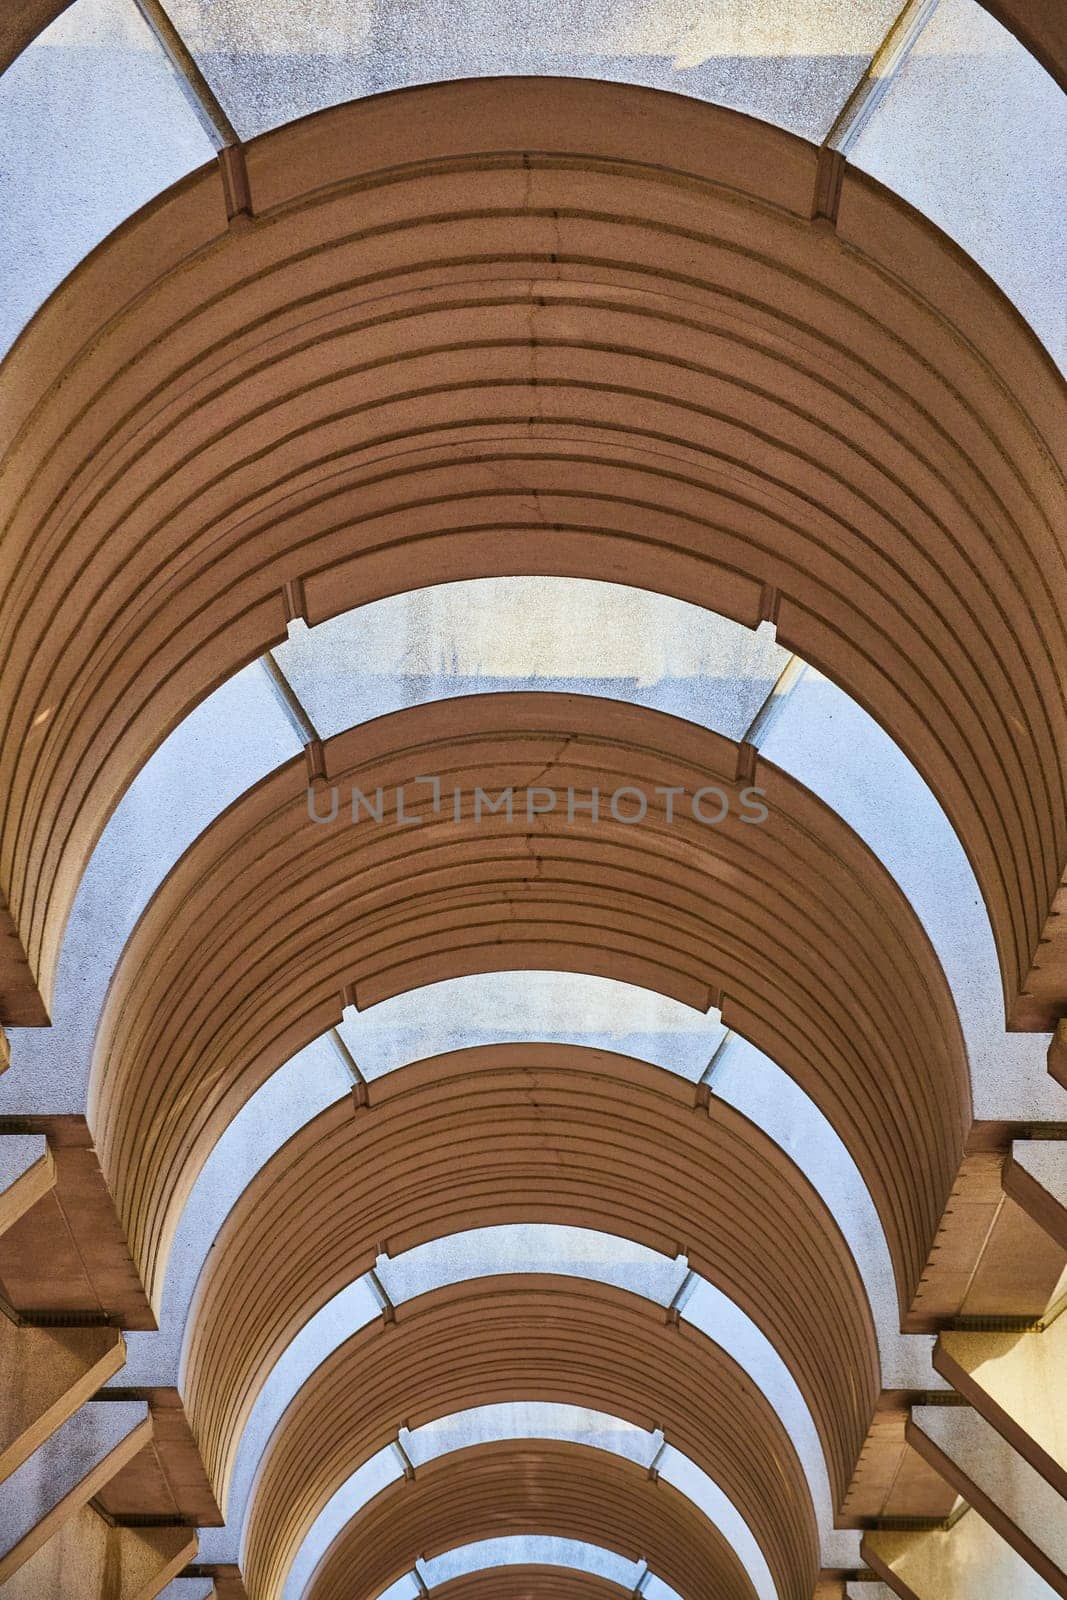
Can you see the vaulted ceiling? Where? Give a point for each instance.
(453, 1139)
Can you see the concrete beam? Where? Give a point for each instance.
(1035, 1177)
(71, 1466)
(998, 1483)
(1015, 1381)
(961, 1562)
(100, 1560)
(48, 1374)
(27, 1173)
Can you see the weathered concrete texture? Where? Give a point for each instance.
(1035, 1175)
(47, 1374)
(27, 1172)
(92, 124)
(996, 1480)
(967, 1560)
(524, 633)
(94, 1559)
(974, 132)
(70, 1467)
(795, 65)
(1016, 1381)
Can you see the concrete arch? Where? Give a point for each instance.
(532, 1339)
(522, 1141)
(552, 1488)
(532, 1583)
(491, 1424)
(989, 643)
(565, 1559)
(567, 1010)
(577, 1256)
(798, 884)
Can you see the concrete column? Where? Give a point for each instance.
(97, 1560)
(1018, 1382)
(48, 1373)
(71, 1466)
(998, 1483)
(967, 1561)
(26, 1174)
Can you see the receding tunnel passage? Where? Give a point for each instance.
(534, 806)
(448, 1147)
(791, 897)
(533, 1339)
(539, 1487)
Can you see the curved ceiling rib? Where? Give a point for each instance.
(815, 954)
(530, 1135)
(807, 436)
(727, 1067)
(523, 1422)
(532, 1339)
(524, 1252)
(533, 1554)
(529, 1583)
(552, 1488)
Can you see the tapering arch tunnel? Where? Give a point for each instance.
(547, 1487)
(478, 896)
(842, 455)
(470, 1269)
(522, 1312)
(533, 1339)
(476, 1142)
(523, 1423)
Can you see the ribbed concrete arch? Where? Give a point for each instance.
(815, 953)
(552, 1488)
(534, 1339)
(529, 1583)
(508, 1250)
(531, 1135)
(839, 455)
(536, 1552)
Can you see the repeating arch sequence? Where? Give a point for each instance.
(553, 1488)
(531, 1134)
(808, 435)
(539, 1339)
(529, 1583)
(817, 954)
